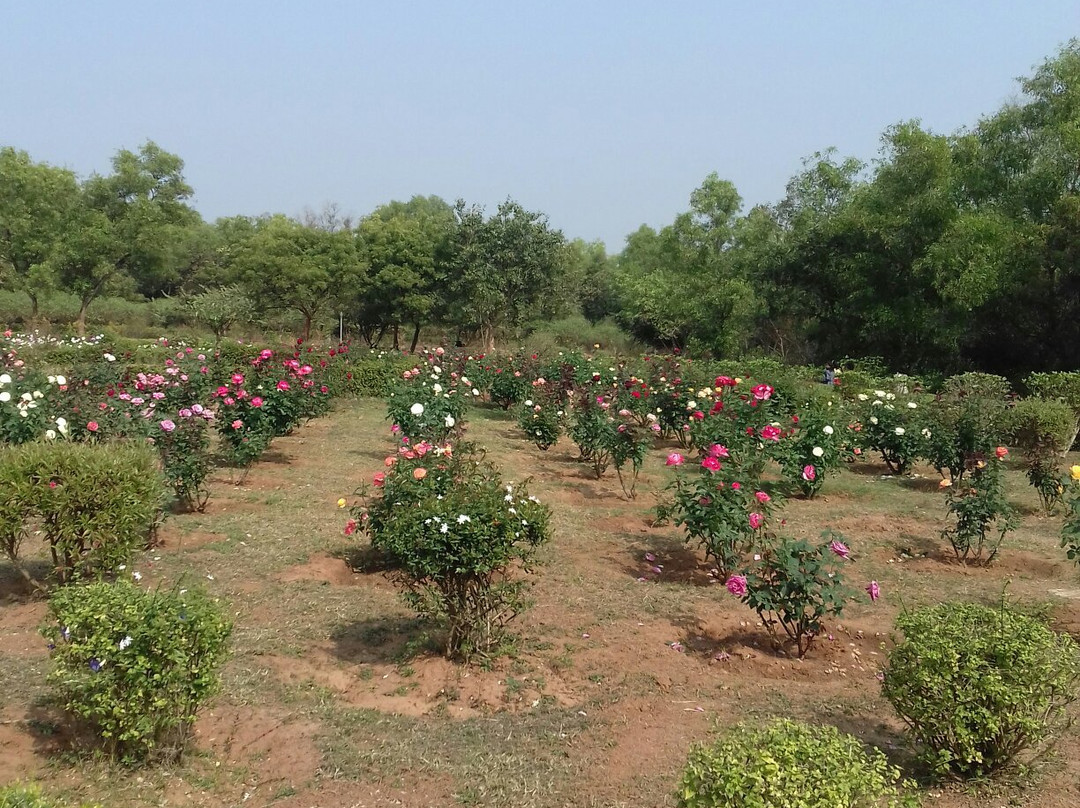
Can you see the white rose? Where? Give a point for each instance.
(437, 388)
(5, 396)
(911, 405)
(61, 380)
(475, 392)
(877, 402)
(890, 396)
(926, 433)
(899, 430)
(5, 379)
(828, 430)
(817, 451)
(528, 402)
(873, 419)
(863, 397)
(109, 357)
(879, 393)
(50, 434)
(417, 409)
(450, 422)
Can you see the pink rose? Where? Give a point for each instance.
(675, 459)
(756, 520)
(736, 585)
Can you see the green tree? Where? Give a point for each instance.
(503, 268)
(404, 245)
(287, 266)
(37, 204)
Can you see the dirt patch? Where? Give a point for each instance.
(276, 748)
(324, 569)
(19, 624)
(171, 537)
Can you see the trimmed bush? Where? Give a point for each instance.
(94, 504)
(789, 764)
(136, 664)
(1044, 429)
(979, 686)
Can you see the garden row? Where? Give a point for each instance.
(977, 686)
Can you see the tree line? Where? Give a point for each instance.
(947, 252)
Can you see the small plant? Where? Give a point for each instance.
(794, 586)
(593, 430)
(718, 512)
(981, 512)
(978, 686)
(136, 664)
(1070, 531)
(788, 763)
(629, 447)
(184, 447)
(540, 422)
(893, 427)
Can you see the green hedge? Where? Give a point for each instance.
(94, 504)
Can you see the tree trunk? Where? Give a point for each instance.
(307, 326)
(415, 337)
(487, 332)
(80, 323)
(33, 307)
(397, 328)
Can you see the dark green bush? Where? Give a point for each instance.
(94, 504)
(1043, 429)
(978, 686)
(789, 764)
(136, 664)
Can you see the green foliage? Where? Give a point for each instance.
(892, 426)
(541, 423)
(980, 512)
(27, 796)
(969, 417)
(462, 543)
(427, 404)
(1044, 429)
(136, 665)
(94, 504)
(1070, 530)
(789, 764)
(221, 308)
(184, 448)
(979, 686)
(715, 510)
(795, 585)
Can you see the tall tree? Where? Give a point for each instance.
(287, 266)
(404, 245)
(37, 204)
(503, 267)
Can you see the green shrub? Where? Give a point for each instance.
(978, 686)
(26, 796)
(461, 542)
(1043, 429)
(94, 504)
(789, 764)
(135, 664)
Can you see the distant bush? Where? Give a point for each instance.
(785, 764)
(577, 333)
(978, 686)
(93, 504)
(1043, 429)
(136, 664)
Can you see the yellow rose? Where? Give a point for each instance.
(1074, 472)
(341, 502)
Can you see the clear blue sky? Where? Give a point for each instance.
(604, 115)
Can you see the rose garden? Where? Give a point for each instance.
(315, 574)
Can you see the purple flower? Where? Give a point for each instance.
(839, 548)
(736, 585)
(168, 425)
(873, 590)
(65, 634)
(650, 557)
(95, 665)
